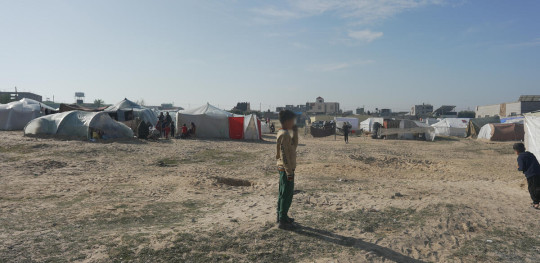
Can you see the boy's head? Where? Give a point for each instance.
(287, 119)
(519, 148)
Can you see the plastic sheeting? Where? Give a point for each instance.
(15, 115)
(451, 127)
(127, 106)
(211, 122)
(78, 124)
(532, 133)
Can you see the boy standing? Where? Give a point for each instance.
(528, 164)
(286, 162)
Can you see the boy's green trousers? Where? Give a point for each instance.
(286, 189)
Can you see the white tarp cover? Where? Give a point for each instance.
(352, 121)
(78, 124)
(15, 115)
(451, 127)
(532, 133)
(147, 115)
(367, 125)
(251, 129)
(485, 132)
(211, 122)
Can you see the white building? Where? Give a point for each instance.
(525, 104)
(322, 107)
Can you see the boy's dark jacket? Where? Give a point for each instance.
(528, 164)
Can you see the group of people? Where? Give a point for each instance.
(164, 128)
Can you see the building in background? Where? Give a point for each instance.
(322, 107)
(525, 104)
(445, 111)
(13, 96)
(242, 106)
(360, 111)
(297, 108)
(422, 111)
(385, 113)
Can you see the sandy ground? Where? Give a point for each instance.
(453, 200)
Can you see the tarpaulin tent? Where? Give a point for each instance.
(211, 122)
(474, 125)
(532, 133)
(127, 110)
(407, 130)
(502, 132)
(15, 115)
(244, 127)
(367, 125)
(451, 127)
(79, 124)
(265, 128)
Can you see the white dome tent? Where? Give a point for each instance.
(127, 110)
(456, 127)
(15, 115)
(78, 124)
(210, 121)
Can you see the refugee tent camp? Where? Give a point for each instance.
(474, 125)
(502, 132)
(367, 125)
(80, 124)
(532, 133)
(15, 115)
(127, 110)
(211, 122)
(451, 127)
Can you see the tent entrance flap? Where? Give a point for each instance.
(236, 128)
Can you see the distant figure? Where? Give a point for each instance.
(346, 128)
(161, 117)
(528, 164)
(272, 128)
(192, 130)
(173, 129)
(143, 131)
(185, 132)
(167, 125)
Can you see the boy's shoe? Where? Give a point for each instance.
(285, 225)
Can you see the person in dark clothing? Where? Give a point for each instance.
(161, 117)
(192, 130)
(167, 125)
(346, 129)
(142, 130)
(528, 164)
(173, 128)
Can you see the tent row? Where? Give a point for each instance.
(482, 128)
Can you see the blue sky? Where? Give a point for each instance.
(392, 53)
